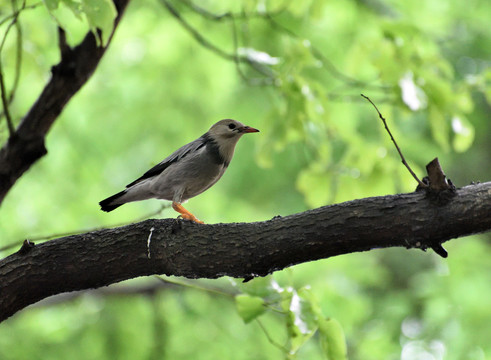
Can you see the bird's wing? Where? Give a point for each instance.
(172, 158)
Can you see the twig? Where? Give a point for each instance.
(235, 16)
(16, 13)
(18, 59)
(270, 339)
(3, 90)
(421, 184)
(237, 60)
(207, 14)
(340, 97)
(195, 33)
(208, 45)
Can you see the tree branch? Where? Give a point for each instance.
(26, 144)
(245, 250)
(403, 159)
(3, 89)
(236, 57)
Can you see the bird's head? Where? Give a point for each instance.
(229, 130)
(225, 135)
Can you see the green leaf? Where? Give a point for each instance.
(100, 15)
(264, 287)
(72, 5)
(97, 14)
(51, 4)
(249, 307)
(301, 320)
(332, 339)
(75, 8)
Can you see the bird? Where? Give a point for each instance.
(187, 172)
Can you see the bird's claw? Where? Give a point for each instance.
(190, 218)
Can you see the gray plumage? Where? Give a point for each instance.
(188, 171)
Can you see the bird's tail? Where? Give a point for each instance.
(111, 203)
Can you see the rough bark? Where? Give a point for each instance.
(244, 250)
(26, 145)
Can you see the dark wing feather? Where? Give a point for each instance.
(172, 158)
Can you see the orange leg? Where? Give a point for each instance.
(185, 213)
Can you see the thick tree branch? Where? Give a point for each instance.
(26, 144)
(175, 247)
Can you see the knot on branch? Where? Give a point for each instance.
(438, 187)
(26, 247)
(424, 245)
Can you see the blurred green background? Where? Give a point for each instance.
(424, 63)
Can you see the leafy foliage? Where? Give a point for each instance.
(97, 14)
(295, 71)
(301, 313)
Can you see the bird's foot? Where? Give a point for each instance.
(185, 214)
(190, 217)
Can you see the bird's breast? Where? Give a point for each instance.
(203, 178)
(191, 175)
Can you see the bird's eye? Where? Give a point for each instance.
(231, 126)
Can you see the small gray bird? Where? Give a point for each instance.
(187, 172)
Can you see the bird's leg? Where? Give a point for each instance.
(185, 213)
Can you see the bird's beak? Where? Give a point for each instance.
(247, 129)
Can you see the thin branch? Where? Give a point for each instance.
(195, 33)
(237, 16)
(208, 45)
(420, 183)
(19, 42)
(18, 59)
(268, 80)
(3, 89)
(334, 96)
(209, 15)
(26, 7)
(270, 339)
